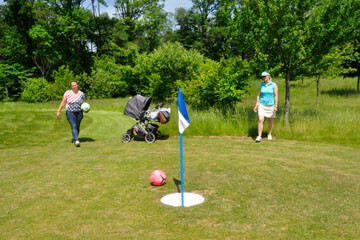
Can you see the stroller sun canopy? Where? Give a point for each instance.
(137, 106)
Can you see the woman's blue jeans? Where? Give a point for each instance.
(74, 119)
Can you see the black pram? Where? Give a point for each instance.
(137, 108)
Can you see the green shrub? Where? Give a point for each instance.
(218, 83)
(126, 55)
(201, 90)
(162, 71)
(108, 79)
(63, 78)
(36, 90)
(12, 77)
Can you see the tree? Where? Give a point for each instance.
(74, 30)
(99, 3)
(98, 26)
(203, 12)
(330, 65)
(65, 6)
(140, 20)
(353, 62)
(198, 28)
(17, 44)
(186, 32)
(152, 27)
(44, 54)
(15, 47)
(288, 33)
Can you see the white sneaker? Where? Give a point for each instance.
(77, 143)
(258, 139)
(269, 137)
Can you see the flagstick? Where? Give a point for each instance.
(182, 171)
(191, 198)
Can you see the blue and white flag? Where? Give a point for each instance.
(184, 120)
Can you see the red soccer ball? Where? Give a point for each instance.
(158, 177)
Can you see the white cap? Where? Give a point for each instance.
(264, 74)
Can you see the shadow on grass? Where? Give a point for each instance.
(163, 137)
(86, 139)
(177, 184)
(141, 139)
(138, 139)
(157, 185)
(344, 92)
(252, 132)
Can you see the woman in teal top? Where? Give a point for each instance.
(266, 104)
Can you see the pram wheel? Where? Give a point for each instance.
(125, 138)
(150, 137)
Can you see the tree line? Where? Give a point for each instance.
(210, 50)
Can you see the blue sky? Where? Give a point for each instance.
(170, 5)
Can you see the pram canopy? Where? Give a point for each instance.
(137, 106)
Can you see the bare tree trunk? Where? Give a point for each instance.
(97, 25)
(42, 69)
(93, 7)
(94, 16)
(98, 8)
(358, 83)
(287, 100)
(317, 90)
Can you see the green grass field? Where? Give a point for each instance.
(283, 189)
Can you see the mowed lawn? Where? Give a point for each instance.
(272, 190)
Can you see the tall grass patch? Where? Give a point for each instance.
(335, 120)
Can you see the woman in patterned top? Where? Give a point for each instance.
(73, 99)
